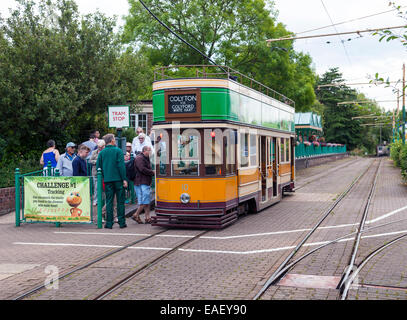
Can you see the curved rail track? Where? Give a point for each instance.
(351, 278)
(288, 263)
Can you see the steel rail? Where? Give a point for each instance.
(146, 266)
(360, 229)
(292, 264)
(350, 280)
(104, 256)
(277, 274)
(91, 262)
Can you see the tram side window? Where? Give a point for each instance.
(244, 149)
(287, 150)
(230, 150)
(161, 147)
(186, 155)
(213, 152)
(282, 150)
(253, 150)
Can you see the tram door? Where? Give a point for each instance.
(275, 153)
(263, 167)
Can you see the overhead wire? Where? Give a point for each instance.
(333, 25)
(348, 21)
(181, 39)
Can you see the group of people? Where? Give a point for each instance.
(104, 154)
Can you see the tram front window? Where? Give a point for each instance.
(213, 152)
(161, 145)
(185, 154)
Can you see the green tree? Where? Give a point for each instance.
(230, 32)
(58, 73)
(338, 123)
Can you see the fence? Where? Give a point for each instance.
(53, 172)
(304, 151)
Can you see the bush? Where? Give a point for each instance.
(361, 151)
(395, 148)
(27, 163)
(403, 158)
(130, 134)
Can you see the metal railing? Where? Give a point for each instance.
(208, 72)
(304, 151)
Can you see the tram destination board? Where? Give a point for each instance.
(182, 103)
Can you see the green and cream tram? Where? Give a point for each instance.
(224, 146)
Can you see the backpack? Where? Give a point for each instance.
(131, 170)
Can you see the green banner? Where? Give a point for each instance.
(57, 199)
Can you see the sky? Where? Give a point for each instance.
(358, 59)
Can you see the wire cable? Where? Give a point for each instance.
(184, 41)
(343, 43)
(353, 20)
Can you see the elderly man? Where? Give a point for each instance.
(142, 142)
(64, 164)
(111, 161)
(142, 184)
(135, 146)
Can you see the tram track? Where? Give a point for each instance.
(86, 265)
(145, 266)
(353, 270)
(156, 260)
(345, 237)
(105, 256)
(345, 278)
(108, 255)
(288, 264)
(351, 278)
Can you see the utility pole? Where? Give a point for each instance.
(394, 124)
(404, 104)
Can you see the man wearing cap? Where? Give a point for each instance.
(65, 160)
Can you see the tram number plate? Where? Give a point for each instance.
(182, 103)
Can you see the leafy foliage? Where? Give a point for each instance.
(339, 127)
(230, 32)
(58, 73)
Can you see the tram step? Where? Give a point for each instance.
(195, 222)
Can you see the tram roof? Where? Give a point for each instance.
(308, 119)
(189, 72)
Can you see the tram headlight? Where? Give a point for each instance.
(185, 198)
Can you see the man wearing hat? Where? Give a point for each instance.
(65, 160)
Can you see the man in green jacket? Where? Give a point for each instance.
(111, 161)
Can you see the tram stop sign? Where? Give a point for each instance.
(119, 116)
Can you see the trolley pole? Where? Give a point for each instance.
(404, 104)
(394, 125)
